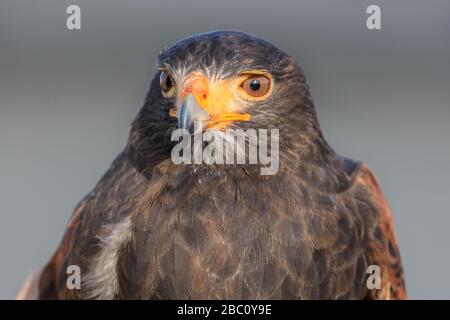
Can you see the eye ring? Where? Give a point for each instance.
(257, 86)
(167, 84)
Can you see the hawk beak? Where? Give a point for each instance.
(191, 112)
(205, 103)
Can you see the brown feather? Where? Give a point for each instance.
(386, 253)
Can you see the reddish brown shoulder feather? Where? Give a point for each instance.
(384, 252)
(48, 283)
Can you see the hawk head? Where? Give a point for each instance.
(226, 79)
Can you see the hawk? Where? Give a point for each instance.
(154, 229)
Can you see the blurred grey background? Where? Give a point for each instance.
(67, 99)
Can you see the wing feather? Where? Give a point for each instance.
(385, 251)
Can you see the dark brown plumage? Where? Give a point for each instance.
(155, 230)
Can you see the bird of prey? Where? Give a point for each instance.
(155, 229)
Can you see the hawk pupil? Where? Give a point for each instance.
(168, 82)
(255, 85)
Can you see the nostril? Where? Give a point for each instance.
(204, 96)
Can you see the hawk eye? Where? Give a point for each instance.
(166, 82)
(256, 85)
